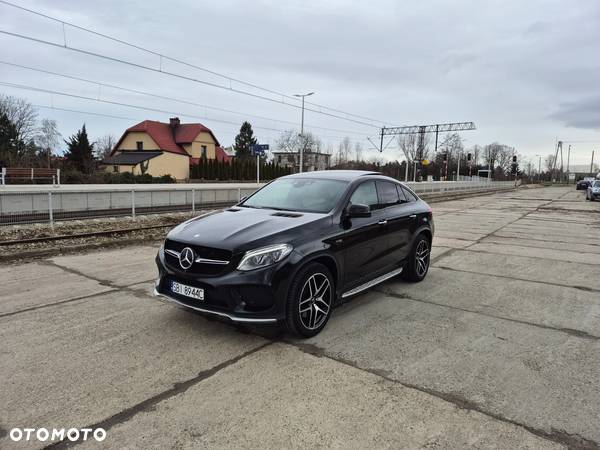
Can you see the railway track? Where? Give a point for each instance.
(91, 234)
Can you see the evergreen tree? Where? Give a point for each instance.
(9, 142)
(80, 154)
(244, 140)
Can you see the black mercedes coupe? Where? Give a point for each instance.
(296, 247)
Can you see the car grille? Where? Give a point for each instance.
(213, 267)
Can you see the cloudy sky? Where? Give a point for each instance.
(526, 73)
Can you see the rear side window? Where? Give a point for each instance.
(409, 195)
(388, 194)
(403, 198)
(365, 194)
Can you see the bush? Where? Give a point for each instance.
(76, 177)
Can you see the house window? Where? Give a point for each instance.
(140, 145)
(116, 169)
(203, 151)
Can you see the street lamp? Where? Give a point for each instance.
(302, 125)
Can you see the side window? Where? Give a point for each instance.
(365, 194)
(401, 195)
(409, 195)
(388, 195)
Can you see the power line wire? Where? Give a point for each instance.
(146, 108)
(164, 97)
(169, 58)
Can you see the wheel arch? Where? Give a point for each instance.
(328, 260)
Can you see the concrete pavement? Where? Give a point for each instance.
(498, 348)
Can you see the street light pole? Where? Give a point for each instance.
(302, 128)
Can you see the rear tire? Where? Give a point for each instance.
(310, 300)
(417, 266)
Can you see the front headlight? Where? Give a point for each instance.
(264, 256)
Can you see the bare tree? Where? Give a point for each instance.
(104, 146)
(476, 152)
(343, 151)
(452, 144)
(291, 141)
(22, 114)
(492, 153)
(358, 151)
(47, 139)
(549, 162)
(408, 145)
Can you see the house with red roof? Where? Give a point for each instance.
(158, 148)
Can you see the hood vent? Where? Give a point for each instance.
(286, 214)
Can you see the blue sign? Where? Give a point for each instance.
(259, 149)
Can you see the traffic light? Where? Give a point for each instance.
(445, 157)
(514, 158)
(468, 157)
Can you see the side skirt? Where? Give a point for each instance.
(373, 282)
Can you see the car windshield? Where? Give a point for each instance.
(596, 184)
(298, 194)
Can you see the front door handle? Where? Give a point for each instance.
(382, 222)
(412, 216)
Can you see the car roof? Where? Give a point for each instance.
(345, 175)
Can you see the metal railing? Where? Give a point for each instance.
(35, 207)
(31, 205)
(427, 187)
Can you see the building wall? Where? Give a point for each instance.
(310, 161)
(178, 166)
(195, 148)
(130, 141)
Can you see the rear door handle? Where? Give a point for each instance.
(382, 222)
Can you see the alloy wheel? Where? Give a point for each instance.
(315, 301)
(422, 258)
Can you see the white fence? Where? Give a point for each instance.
(39, 204)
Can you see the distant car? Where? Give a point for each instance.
(593, 191)
(583, 184)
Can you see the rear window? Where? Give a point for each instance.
(388, 194)
(409, 195)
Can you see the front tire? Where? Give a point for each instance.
(417, 266)
(310, 300)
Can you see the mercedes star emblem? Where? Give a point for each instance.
(186, 258)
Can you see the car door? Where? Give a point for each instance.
(400, 218)
(364, 242)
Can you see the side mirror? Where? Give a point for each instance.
(358, 210)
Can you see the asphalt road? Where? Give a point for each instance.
(498, 348)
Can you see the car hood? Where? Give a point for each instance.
(239, 229)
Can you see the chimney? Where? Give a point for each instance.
(174, 122)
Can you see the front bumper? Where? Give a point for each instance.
(222, 314)
(256, 296)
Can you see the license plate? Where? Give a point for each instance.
(188, 291)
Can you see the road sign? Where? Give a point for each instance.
(259, 149)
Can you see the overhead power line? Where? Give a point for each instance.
(101, 84)
(321, 109)
(145, 108)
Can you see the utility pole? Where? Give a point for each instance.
(489, 164)
(592, 164)
(458, 168)
(302, 128)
